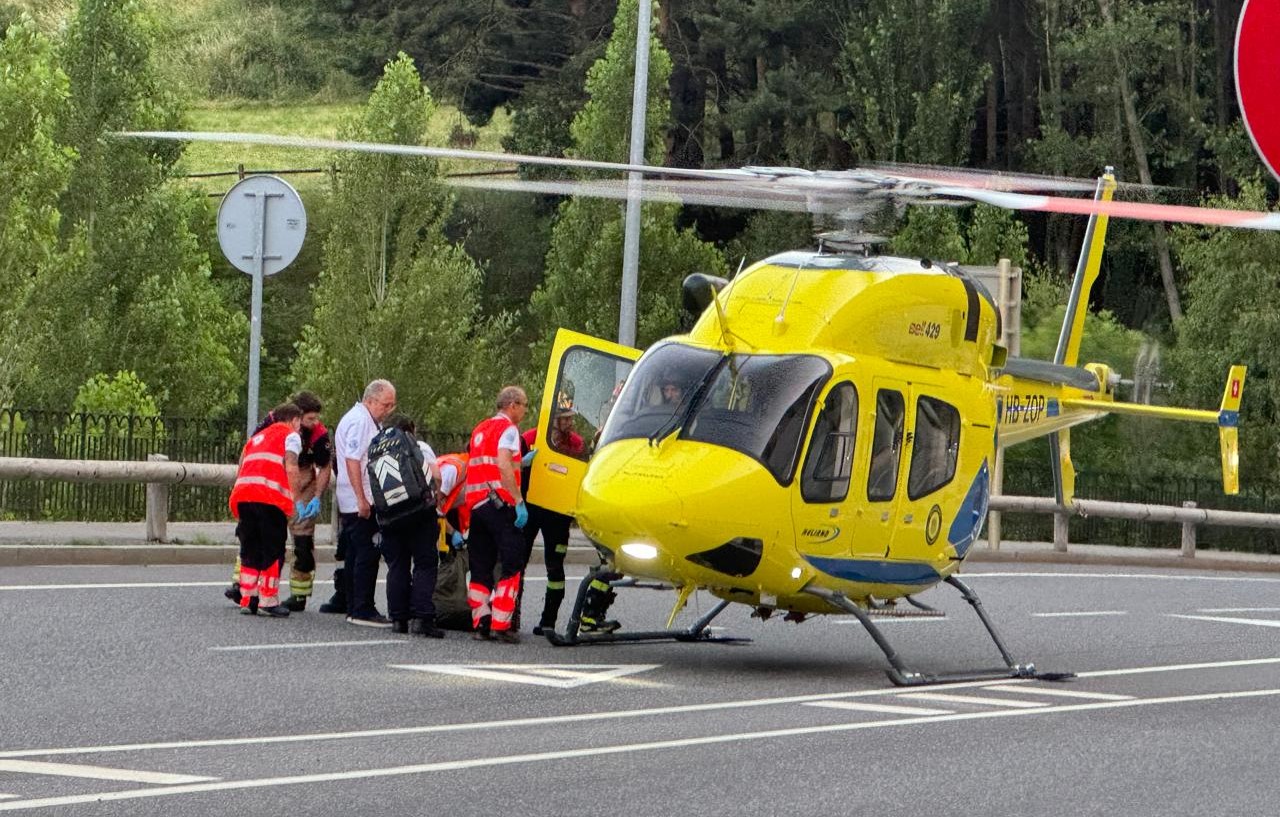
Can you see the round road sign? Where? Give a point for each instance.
(1258, 77)
(267, 207)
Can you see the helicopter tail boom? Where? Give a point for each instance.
(1226, 418)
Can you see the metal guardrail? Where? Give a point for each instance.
(1188, 515)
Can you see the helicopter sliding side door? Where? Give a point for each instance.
(930, 491)
(584, 376)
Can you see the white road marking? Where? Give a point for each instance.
(559, 676)
(1260, 622)
(166, 585)
(613, 714)
(1105, 673)
(305, 645)
(887, 709)
(99, 773)
(1240, 610)
(594, 752)
(1162, 576)
(1057, 692)
(1082, 613)
(972, 699)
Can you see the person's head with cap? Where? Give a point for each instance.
(562, 419)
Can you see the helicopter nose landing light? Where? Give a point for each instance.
(639, 550)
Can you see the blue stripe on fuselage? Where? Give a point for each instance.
(876, 571)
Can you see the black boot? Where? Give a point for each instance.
(400, 626)
(338, 602)
(233, 593)
(426, 626)
(483, 631)
(296, 604)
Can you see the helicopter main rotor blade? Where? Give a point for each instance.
(784, 188)
(1136, 210)
(274, 140)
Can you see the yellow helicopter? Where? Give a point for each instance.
(822, 440)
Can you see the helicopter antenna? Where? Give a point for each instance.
(780, 322)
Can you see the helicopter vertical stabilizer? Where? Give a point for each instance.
(1228, 430)
(1068, 351)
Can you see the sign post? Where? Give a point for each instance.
(1257, 76)
(261, 225)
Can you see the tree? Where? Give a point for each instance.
(1232, 316)
(581, 290)
(395, 299)
(33, 173)
(134, 291)
(913, 77)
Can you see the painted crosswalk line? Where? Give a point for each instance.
(1056, 692)
(1257, 622)
(975, 700)
(99, 773)
(559, 676)
(884, 709)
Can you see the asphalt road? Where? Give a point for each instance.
(161, 699)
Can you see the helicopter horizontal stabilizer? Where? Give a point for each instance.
(1226, 418)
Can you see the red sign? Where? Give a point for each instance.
(1258, 77)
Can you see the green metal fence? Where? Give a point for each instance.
(75, 435)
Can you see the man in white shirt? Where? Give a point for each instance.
(357, 526)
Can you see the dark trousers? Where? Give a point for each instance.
(494, 544)
(555, 545)
(411, 543)
(360, 565)
(263, 530)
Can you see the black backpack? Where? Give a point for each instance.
(396, 477)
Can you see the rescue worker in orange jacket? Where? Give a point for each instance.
(498, 512)
(262, 499)
(450, 497)
(314, 468)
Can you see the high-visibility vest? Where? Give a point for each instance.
(483, 475)
(455, 497)
(262, 476)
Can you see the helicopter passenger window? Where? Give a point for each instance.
(829, 462)
(886, 446)
(585, 388)
(935, 447)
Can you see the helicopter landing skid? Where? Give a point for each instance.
(903, 677)
(697, 631)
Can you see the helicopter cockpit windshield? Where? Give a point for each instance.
(755, 404)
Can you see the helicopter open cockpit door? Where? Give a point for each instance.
(584, 376)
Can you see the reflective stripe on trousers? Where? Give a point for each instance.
(504, 601)
(478, 601)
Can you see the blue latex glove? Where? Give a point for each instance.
(527, 459)
(522, 515)
(312, 508)
(456, 541)
(300, 511)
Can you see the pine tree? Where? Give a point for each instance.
(582, 286)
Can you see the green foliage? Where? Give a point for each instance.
(913, 97)
(33, 174)
(769, 232)
(1232, 316)
(942, 234)
(121, 393)
(581, 289)
(133, 291)
(395, 299)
